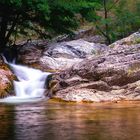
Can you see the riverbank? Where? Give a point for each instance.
(111, 76)
(88, 72)
(124, 103)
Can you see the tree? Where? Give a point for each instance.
(106, 18)
(127, 18)
(115, 19)
(56, 15)
(100, 16)
(18, 12)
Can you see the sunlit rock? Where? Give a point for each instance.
(112, 76)
(59, 56)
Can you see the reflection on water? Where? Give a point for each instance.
(60, 121)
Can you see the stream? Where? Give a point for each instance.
(50, 120)
(29, 86)
(30, 116)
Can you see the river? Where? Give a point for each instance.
(50, 120)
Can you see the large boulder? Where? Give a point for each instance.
(61, 56)
(29, 53)
(58, 56)
(112, 76)
(6, 80)
(89, 35)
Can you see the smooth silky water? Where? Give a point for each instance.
(48, 120)
(30, 84)
(30, 116)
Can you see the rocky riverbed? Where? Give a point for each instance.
(111, 76)
(88, 71)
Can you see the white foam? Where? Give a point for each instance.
(31, 84)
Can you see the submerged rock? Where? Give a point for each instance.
(6, 78)
(112, 76)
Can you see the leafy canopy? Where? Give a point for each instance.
(57, 15)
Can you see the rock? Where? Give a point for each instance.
(56, 64)
(89, 35)
(99, 85)
(112, 76)
(63, 55)
(6, 78)
(59, 56)
(95, 39)
(128, 41)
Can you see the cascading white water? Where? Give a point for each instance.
(30, 85)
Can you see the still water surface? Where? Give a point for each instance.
(69, 121)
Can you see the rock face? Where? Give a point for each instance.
(112, 76)
(6, 78)
(59, 56)
(89, 35)
(29, 53)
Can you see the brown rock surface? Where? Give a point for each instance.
(112, 76)
(6, 78)
(58, 56)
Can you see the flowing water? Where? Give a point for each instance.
(48, 120)
(30, 85)
(29, 116)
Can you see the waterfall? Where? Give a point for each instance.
(30, 84)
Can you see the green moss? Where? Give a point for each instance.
(112, 46)
(135, 67)
(96, 52)
(137, 40)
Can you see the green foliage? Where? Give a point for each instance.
(115, 19)
(54, 15)
(16, 13)
(62, 15)
(126, 20)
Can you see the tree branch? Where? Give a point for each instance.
(3, 29)
(12, 28)
(113, 5)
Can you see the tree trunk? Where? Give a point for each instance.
(11, 30)
(106, 24)
(3, 29)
